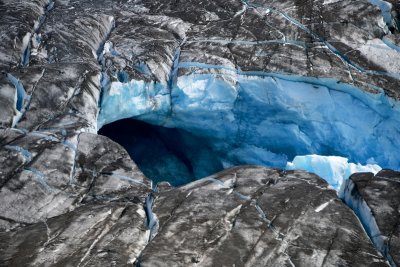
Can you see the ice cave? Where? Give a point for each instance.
(206, 124)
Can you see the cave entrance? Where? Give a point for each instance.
(164, 154)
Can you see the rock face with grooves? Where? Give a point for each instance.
(375, 199)
(252, 216)
(72, 197)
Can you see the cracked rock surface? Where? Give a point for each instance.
(252, 216)
(72, 197)
(376, 200)
(246, 216)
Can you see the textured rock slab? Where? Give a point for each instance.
(111, 234)
(249, 216)
(376, 200)
(19, 21)
(69, 197)
(48, 174)
(49, 93)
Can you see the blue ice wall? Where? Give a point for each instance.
(266, 119)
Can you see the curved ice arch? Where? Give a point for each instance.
(265, 118)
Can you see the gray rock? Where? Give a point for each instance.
(48, 175)
(253, 216)
(111, 234)
(376, 201)
(72, 197)
(246, 216)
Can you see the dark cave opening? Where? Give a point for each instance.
(164, 154)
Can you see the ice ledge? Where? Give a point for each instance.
(335, 170)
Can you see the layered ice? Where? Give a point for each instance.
(333, 169)
(266, 118)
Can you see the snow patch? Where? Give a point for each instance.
(323, 206)
(382, 54)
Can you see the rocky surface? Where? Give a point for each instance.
(375, 199)
(247, 216)
(252, 216)
(49, 177)
(72, 197)
(111, 234)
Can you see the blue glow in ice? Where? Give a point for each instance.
(265, 118)
(386, 10)
(21, 94)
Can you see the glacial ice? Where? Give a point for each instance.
(27, 156)
(152, 222)
(333, 169)
(25, 53)
(267, 119)
(20, 92)
(21, 98)
(386, 10)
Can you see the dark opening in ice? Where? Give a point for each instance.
(164, 154)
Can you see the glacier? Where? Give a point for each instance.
(190, 89)
(266, 119)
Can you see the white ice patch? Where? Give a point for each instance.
(327, 2)
(332, 169)
(323, 206)
(381, 54)
(141, 212)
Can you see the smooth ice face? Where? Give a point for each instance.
(266, 119)
(332, 168)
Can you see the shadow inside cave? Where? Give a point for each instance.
(164, 154)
